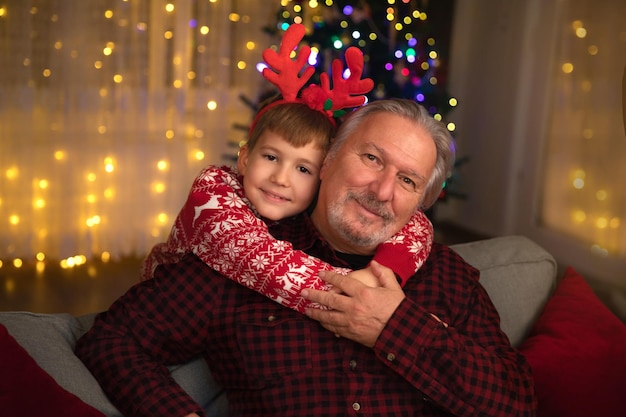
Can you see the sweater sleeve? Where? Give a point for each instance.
(406, 251)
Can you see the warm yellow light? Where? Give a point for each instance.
(581, 33)
(159, 187)
(191, 75)
(162, 218)
(43, 184)
(398, 26)
(109, 193)
(592, 49)
(433, 80)
(59, 155)
(211, 105)
(107, 51)
(46, 72)
(601, 195)
(198, 155)
(432, 55)
(169, 7)
(108, 14)
(14, 219)
(204, 30)
(177, 83)
(169, 134)
(241, 65)
(91, 198)
(18, 263)
(162, 165)
(40, 256)
(425, 65)
(234, 17)
(451, 127)
(579, 216)
(11, 173)
(91, 177)
(567, 67)
(117, 78)
(602, 222)
(578, 183)
(39, 203)
(102, 129)
(93, 221)
(250, 45)
(58, 45)
(453, 102)
(615, 223)
(168, 34)
(3, 12)
(103, 92)
(105, 257)
(40, 267)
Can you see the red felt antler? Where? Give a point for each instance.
(343, 93)
(285, 72)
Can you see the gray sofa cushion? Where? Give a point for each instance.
(50, 340)
(519, 276)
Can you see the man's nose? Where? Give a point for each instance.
(383, 185)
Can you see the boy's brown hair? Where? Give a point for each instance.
(296, 122)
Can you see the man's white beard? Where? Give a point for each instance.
(358, 233)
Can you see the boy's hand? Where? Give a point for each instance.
(365, 276)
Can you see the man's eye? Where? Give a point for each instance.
(371, 158)
(408, 181)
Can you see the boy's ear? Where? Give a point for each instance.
(242, 160)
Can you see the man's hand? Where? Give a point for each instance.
(359, 312)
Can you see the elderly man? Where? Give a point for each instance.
(432, 348)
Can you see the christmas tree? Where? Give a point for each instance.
(405, 45)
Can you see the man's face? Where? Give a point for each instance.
(375, 182)
(280, 180)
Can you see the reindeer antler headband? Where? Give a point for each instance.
(284, 73)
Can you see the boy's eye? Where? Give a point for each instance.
(304, 170)
(269, 157)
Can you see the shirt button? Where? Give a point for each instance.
(353, 364)
(391, 357)
(356, 406)
(271, 318)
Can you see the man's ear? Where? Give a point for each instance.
(323, 167)
(242, 160)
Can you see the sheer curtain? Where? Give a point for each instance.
(583, 194)
(108, 110)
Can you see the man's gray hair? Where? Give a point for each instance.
(415, 112)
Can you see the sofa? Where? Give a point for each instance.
(574, 344)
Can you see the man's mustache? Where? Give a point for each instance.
(371, 203)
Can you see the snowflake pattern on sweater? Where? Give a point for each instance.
(218, 224)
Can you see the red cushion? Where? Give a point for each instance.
(577, 351)
(27, 390)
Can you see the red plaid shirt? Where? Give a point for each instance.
(273, 361)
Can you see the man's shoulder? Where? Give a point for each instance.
(443, 260)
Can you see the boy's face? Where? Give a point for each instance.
(280, 180)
